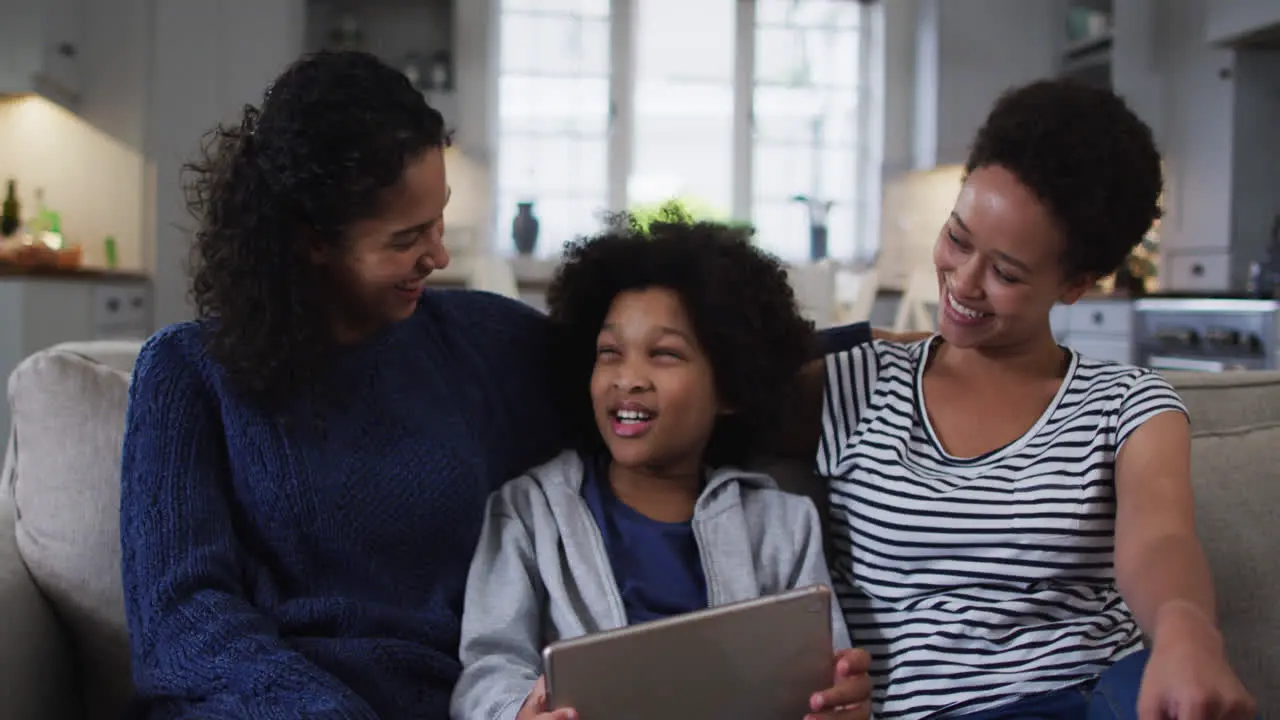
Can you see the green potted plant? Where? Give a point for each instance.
(686, 210)
(1139, 269)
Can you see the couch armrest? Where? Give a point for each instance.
(37, 673)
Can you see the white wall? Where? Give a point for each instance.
(475, 47)
(900, 85)
(115, 67)
(962, 56)
(946, 63)
(209, 58)
(914, 209)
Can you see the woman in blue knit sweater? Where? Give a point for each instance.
(306, 466)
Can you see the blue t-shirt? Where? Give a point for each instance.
(656, 564)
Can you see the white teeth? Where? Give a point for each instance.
(633, 416)
(967, 312)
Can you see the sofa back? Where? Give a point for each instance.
(62, 476)
(1235, 468)
(63, 479)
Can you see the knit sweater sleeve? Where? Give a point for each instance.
(198, 647)
(527, 393)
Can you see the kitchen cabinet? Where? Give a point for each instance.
(1223, 180)
(1100, 328)
(1196, 270)
(403, 34)
(208, 58)
(1198, 192)
(1233, 20)
(1213, 111)
(1135, 62)
(1116, 44)
(37, 312)
(41, 42)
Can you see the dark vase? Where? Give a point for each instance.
(817, 242)
(524, 229)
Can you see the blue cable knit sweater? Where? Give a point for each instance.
(313, 565)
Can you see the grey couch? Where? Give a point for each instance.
(63, 650)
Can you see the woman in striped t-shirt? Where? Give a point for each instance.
(1010, 517)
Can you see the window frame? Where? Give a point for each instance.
(868, 135)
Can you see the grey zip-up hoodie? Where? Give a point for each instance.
(540, 572)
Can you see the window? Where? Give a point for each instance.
(683, 103)
(739, 107)
(553, 117)
(805, 89)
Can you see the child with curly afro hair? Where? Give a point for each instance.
(685, 342)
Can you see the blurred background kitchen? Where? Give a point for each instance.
(833, 126)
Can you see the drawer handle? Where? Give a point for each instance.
(1097, 317)
(136, 302)
(113, 304)
(1197, 269)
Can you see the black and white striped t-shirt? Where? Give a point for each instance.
(973, 581)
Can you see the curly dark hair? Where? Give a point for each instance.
(741, 306)
(1088, 157)
(334, 131)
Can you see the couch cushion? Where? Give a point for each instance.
(1237, 514)
(68, 425)
(1224, 401)
(36, 673)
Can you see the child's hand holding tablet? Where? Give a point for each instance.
(536, 708)
(766, 659)
(849, 698)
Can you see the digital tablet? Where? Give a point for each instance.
(760, 659)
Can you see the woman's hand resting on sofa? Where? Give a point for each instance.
(850, 697)
(1187, 676)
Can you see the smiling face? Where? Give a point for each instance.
(652, 389)
(388, 257)
(998, 260)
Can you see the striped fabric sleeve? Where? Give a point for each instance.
(851, 376)
(1149, 395)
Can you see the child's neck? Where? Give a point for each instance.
(662, 494)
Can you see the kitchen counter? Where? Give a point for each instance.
(1099, 295)
(46, 272)
(1201, 295)
(1098, 325)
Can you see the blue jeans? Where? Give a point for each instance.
(1113, 696)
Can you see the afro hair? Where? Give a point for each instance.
(739, 301)
(1088, 158)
